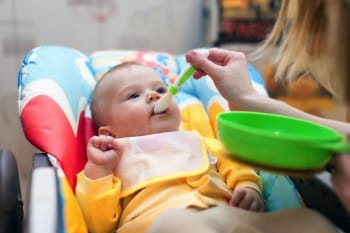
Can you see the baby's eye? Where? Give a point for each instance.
(132, 96)
(161, 90)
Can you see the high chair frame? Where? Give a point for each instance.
(44, 74)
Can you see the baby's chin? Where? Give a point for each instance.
(152, 128)
(166, 129)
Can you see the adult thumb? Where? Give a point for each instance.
(201, 63)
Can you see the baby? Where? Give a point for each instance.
(141, 165)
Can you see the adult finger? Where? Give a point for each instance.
(202, 63)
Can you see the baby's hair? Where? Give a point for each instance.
(120, 66)
(95, 108)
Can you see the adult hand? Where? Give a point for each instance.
(341, 178)
(228, 70)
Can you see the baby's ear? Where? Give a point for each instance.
(105, 130)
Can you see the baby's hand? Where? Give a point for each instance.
(102, 155)
(247, 198)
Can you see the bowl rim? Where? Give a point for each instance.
(222, 121)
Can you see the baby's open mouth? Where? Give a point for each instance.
(158, 113)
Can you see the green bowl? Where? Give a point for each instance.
(277, 141)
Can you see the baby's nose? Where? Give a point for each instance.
(153, 96)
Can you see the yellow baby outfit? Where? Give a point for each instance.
(158, 172)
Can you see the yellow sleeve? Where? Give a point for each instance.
(99, 202)
(235, 174)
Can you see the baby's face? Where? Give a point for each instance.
(132, 93)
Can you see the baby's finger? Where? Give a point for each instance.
(106, 142)
(115, 144)
(256, 206)
(236, 198)
(245, 203)
(95, 141)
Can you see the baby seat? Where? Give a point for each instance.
(55, 84)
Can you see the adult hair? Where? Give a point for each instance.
(95, 107)
(312, 36)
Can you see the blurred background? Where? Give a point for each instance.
(174, 26)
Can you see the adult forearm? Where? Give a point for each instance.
(261, 103)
